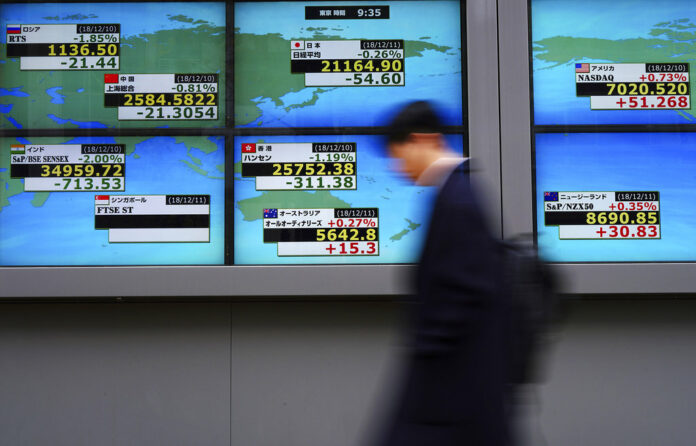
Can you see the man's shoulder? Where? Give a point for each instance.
(457, 183)
(463, 167)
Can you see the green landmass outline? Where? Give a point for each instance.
(252, 208)
(269, 54)
(197, 49)
(412, 226)
(676, 45)
(10, 187)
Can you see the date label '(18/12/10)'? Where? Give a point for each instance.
(162, 97)
(301, 166)
(634, 86)
(69, 167)
(65, 46)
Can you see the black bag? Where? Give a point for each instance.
(531, 288)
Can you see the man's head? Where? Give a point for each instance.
(415, 138)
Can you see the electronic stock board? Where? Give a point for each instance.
(156, 134)
(613, 130)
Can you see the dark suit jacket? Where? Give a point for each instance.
(454, 390)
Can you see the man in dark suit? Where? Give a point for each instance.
(455, 389)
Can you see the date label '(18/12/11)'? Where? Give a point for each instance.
(354, 63)
(323, 232)
(153, 218)
(604, 215)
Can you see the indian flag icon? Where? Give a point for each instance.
(17, 148)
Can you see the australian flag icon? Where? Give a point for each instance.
(550, 196)
(270, 213)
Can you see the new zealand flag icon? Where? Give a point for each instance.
(550, 196)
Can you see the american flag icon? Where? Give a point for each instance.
(270, 213)
(550, 196)
(582, 68)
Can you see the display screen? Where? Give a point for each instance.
(325, 199)
(217, 133)
(623, 62)
(106, 65)
(112, 201)
(625, 196)
(314, 64)
(609, 188)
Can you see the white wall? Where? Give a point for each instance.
(107, 374)
(312, 373)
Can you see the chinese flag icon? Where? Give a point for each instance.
(248, 148)
(111, 78)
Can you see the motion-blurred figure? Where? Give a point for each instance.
(455, 390)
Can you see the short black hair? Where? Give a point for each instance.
(415, 117)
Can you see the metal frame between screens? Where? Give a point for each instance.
(518, 172)
(479, 35)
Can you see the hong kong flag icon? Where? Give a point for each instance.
(248, 148)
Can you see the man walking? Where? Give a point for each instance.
(455, 389)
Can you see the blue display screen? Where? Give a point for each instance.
(301, 65)
(149, 133)
(112, 201)
(597, 43)
(59, 60)
(655, 223)
(277, 196)
(610, 188)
